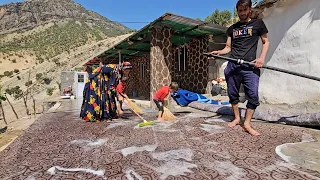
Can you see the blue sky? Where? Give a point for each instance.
(144, 11)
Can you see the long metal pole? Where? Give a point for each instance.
(240, 61)
(119, 58)
(119, 63)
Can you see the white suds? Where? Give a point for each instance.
(53, 170)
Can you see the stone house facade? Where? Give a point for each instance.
(169, 49)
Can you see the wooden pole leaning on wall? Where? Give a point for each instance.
(15, 113)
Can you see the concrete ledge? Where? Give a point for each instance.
(54, 108)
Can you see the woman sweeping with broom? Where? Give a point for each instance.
(100, 100)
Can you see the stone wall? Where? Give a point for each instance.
(162, 66)
(139, 79)
(195, 77)
(160, 59)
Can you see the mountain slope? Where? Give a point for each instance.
(28, 14)
(42, 29)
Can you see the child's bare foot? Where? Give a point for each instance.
(120, 112)
(234, 123)
(250, 130)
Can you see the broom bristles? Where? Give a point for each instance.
(135, 107)
(167, 115)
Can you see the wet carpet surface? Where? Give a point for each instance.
(61, 146)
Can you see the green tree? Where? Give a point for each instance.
(235, 16)
(225, 17)
(198, 19)
(219, 17)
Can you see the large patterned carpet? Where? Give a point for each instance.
(61, 146)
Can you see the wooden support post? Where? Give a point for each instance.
(25, 103)
(42, 109)
(2, 111)
(15, 113)
(28, 85)
(25, 98)
(34, 107)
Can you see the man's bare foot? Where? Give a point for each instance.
(234, 123)
(250, 130)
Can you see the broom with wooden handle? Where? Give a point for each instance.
(240, 61)
(167, 115)
(145, 122)
(134, 106)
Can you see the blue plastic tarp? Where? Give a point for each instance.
(184, 97)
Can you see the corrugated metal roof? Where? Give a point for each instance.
(195, 22)
(185, 29)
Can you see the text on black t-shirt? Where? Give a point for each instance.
(245, 38)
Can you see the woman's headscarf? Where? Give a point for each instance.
(126, 65)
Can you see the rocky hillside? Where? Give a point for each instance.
(41, 38)
(37, 30)
(31, 13)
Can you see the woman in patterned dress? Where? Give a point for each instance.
(88, 69)
(100, 96)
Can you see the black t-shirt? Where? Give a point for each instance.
(245, 38)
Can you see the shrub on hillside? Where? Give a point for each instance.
(16, 92)
(49, 91)
(7, 73)
(40, 60)
(28, 83)
(38, 76)
(47, 80)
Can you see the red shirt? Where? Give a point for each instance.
(121, 87)
(161, 93)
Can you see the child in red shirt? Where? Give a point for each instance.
(121, 88)
(161, 94)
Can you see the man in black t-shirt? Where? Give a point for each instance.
(242, 41)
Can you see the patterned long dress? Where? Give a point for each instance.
(100, 94)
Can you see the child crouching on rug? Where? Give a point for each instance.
(121, 88)
(161, 94)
